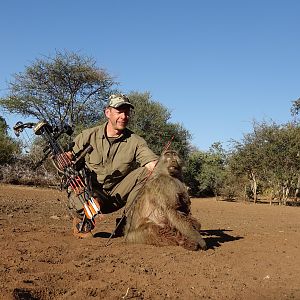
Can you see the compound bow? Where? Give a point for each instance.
(73, 172)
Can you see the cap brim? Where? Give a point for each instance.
(122, 104)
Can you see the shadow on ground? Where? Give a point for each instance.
(102, 234)
(215, 237)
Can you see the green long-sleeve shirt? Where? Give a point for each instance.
(112, 161)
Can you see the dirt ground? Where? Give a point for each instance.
(253, 254)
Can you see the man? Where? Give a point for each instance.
(113, 162)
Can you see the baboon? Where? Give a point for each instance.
(161, 214)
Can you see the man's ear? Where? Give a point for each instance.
(107, 112)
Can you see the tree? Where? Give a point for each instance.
(205, 171)
(193, 169)
(214, 172)
(150, 120)
(269, 156)
(295, 109)
(282, 169)
(64, 88)
(8, 147)
(3, 127)
(245, 159)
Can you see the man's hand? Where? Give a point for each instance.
(69, 154)
(151, 165)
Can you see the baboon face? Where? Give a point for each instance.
(173, 163)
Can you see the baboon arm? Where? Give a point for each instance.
(169, 192)
(187, 226)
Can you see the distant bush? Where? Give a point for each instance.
(21, 172)
(9, 147)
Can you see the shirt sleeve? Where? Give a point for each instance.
(80, 141)
(144, 154)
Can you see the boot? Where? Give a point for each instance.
(120, 226)
(86, 231)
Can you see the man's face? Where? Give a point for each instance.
(118, 117)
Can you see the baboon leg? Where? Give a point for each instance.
(187, 226)
(188, 244)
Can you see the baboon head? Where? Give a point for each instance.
(170, 163)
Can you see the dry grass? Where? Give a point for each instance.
(22, 172)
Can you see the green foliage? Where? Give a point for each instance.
(295, 107)
(66, 88)
(3, 126)
(205, 171)
(192, 170)
(213, 174)
(269, 156)
(8, 147)
(150, 120)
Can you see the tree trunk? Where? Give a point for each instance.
(297, 189)
(254, 187)
(246, 198)
(272, 196)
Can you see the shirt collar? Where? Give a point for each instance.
(123, 137)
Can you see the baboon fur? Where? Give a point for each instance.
(161, 214)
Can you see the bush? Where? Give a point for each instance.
(21, 172)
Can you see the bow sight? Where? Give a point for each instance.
(69, 166)
(49, 134)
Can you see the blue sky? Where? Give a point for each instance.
(217, 65)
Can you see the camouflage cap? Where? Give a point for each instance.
(118, 100)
